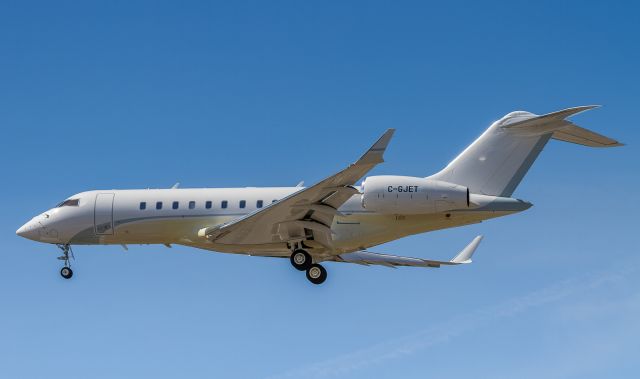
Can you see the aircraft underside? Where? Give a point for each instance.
(356, 233)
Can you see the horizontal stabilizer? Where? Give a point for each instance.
(368, 258)
(560, 128)
(525, 123)
(582, 136)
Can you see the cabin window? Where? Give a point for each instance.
(273, 201)
(159, 205)
(207, 204)
(143, 205)
(69, 203)
(259, 204)
(175, 205)
(223, 204)
(243, 203)
(192, 204)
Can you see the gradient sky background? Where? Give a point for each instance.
(127, 94)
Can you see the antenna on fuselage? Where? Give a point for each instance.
(175, 185)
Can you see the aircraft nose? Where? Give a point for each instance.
(29, 231)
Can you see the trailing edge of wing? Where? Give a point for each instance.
(369, 258)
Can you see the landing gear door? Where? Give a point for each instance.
(103, 214)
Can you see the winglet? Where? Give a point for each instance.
(375, 152)
(465, 255)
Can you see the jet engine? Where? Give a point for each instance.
(390, 194)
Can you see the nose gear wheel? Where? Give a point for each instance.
(67, 253)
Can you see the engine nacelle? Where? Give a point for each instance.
(390, 194)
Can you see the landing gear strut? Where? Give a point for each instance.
(66, 271)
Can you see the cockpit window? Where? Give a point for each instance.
(69, 203)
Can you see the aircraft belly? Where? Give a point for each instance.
(360, 231)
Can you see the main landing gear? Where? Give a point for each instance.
(316, 274)
(302, 261)
(66, 271)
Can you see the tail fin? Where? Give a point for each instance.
(495, 163)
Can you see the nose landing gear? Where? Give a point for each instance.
(66, 271)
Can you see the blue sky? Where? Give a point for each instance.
(100, 95)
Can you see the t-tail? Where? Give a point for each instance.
(495, 163)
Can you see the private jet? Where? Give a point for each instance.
(334, 220)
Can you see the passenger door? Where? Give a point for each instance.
(103, 214)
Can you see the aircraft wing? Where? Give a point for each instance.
(368, 258)
(304, 215)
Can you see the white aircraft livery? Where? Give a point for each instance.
(333, 220)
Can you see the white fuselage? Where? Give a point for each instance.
(333, 220)
(149, 216)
